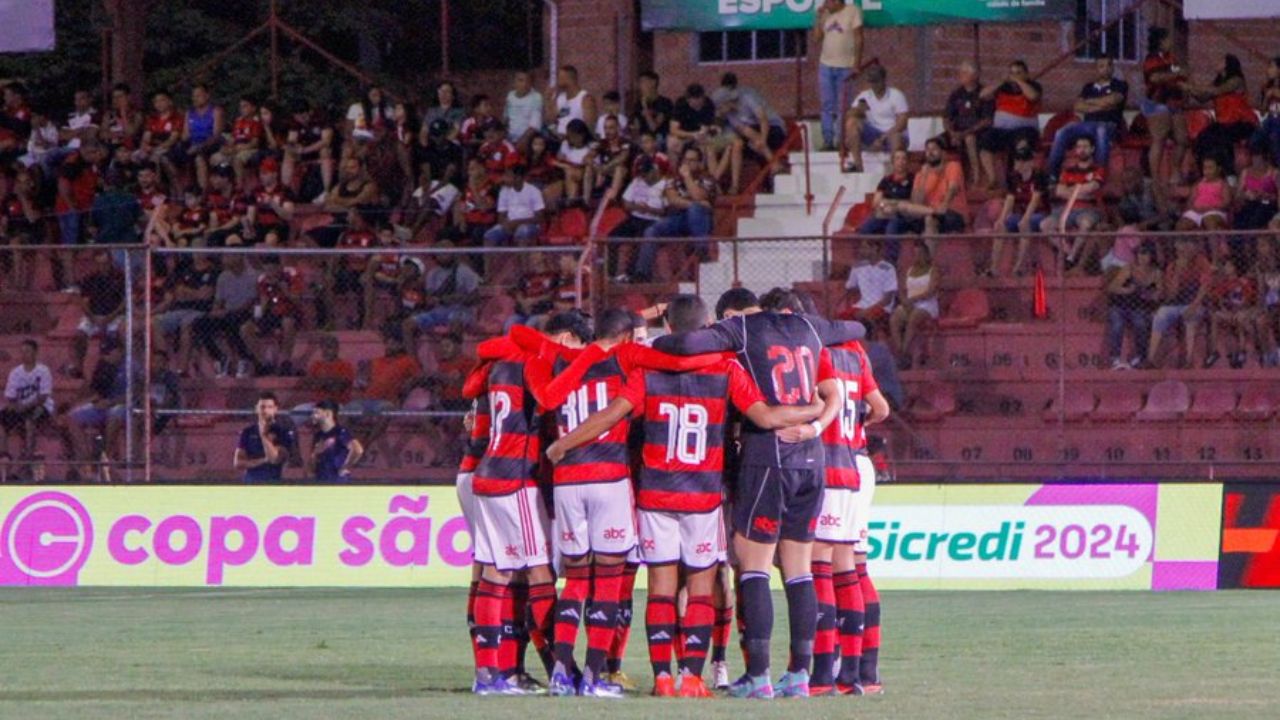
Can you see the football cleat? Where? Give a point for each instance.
(854, 689)
(600, 689)
(872, 689)
(664, 686)
(793, 684)
(720, 675)
(560, 684)
(494, 685)
(620, 679)
(823, 691)
(691, 686)
(529, 684)
(752, 688)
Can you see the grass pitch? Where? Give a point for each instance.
(285, 654)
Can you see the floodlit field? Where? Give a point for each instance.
(404, 654)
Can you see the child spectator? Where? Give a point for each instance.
(572, 159)
(541, 171)
(193, 222)
(28, 395)
(247, 135)
(478, 211)
(611, 106)
(497, 152)
(1233, 301)
(1023, 209)
(471, 132)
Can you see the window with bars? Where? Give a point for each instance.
(1121, 40)
(751, 45)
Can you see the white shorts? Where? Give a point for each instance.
(595, 517)
(511, 530)
(467, 499)
(838, 520)
(696, 540)
(94, 329)
(1199, 217)
(866, 493)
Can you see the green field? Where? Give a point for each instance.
(284, 654)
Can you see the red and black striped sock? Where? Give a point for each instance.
(720, 635)
(871, 635)
(509, 647)
(568, 612)
(850, 608)
(625, 606)
(602, 617)
(660, 627)
(490, 598)
(824, 641)
(699, 617)
(537, 618)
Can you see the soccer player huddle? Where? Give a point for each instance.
(711, 456)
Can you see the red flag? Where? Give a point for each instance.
(1039, 300)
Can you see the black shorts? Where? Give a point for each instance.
(346, 280)
(772, 503)
(1000, 140)
(13, 419)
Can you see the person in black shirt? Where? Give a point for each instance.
(653, 111)
(693, 120)
(437, 154)
(1101, 105)
(334, 451)
(894, 188)
(967, 116)
(103, 303)
(265, 445)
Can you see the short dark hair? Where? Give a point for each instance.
(477, 99)
(612, 96)
(35, 346)
(779, 299)
(122, 87)
(695, 90)
(571, 69)
(268, 395)
(1019, 63)
(572, 322)
(729, 80)
(686, 313)
(519, 169)
(329, 405)
(614, 323)
(200, 86)
(738, 299)
(649, 75)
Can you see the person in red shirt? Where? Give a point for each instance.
(247, 135)
(471, 132)
(329, 378)
(162, 131)
(685, 416)
(383, 272)
(1234, 302)
(1077, 202)
(344, 274)
(478, 210)
(277, 312)
(497, 153)
(77, 185)
(193, 221)
(15, 123)
(1017, 110)
(269, 206)
(1165, 82)
(1234, 119)
(542, 172)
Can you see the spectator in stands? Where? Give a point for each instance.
(1138, 197)
(1267, 268)
(452, 292)
(611, 106)
(542, 172)
(1076, 202)
(653, 110)
(368, 119)
(87, 420)
(755, 123)
(354, 188)
(42, 143)
(334, 450)
(234, 297)
(102, 300)
(247, 138)
(114, 214)
(163, 130)
(17, 122)
(497, 152)
(384, 384)
(535, 291)
(1023, 209)
(165, 393)
(19, 218)
(1210, 200)
(1183, 289)
(645, 203)
(1101, 107)
(77, 185)
(690, 201)
(1268, 134)
(188, 296)
(226, 211)
(308, 139)
(1234, 119)
(28, 399)
(344, 275)
(447, 106)
(872, 287)
(1259, 191)
(1133, 294)
(572, 159)
(894, 189)
(452, 368)
(608, 162)
(83, 123)
(839, 28)
(201, 133)
(693, 120)
(150, 195)
(917, 305)
(277, 313)
(938, 192)
(1233, 301)
(330, 378)
(520, 211)
(572, 102)
(122, 125)
(967, 117)
(477, 213)
(1162, 108)
(382, 273)
(1017, 115)
(877, 119)
(470, 133)
(523, 111)
(263, 449)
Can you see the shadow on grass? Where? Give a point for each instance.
(227, 695)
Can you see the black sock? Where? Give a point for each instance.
(802, 606)
(757, 609)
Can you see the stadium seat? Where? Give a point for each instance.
(968, 309)
(612, 217)
(1197, 121)
(933, 403)
(1119, 403)
(1056, 123)
(1212, 402)
(857, 215)
(1077, 406)
(568, 228)
(1167, 400)
(1257, 404)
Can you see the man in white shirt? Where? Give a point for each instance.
(839, 29)
(520, 208)
(877, 120)
(872, 286)
(28, 398)
(523, 112)
(645, 202)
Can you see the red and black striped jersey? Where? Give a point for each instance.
(604, 459)
(511, 458)
(685, 418)
(846, 438)
(478, 441)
